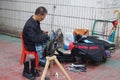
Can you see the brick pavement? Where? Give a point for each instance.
(10, 69)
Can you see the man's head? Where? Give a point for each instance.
(40, 13)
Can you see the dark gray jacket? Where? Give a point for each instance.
(32, 34)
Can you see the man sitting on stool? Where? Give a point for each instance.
(35, 39)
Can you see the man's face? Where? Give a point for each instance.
(41, 17)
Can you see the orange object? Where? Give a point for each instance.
(25, 52)
(81, 32)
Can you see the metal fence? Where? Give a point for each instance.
(14, 13)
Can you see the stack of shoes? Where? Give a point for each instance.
(77, 68)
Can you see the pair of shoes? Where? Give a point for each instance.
(28, 76)
(26, 71)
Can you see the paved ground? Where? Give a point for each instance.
(10, 69)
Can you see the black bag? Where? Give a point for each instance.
(93, 52)
(97, 40)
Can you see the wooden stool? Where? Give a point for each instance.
(50, 61)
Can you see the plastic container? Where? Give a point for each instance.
(68, 38)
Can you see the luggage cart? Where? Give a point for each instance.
(105, 29)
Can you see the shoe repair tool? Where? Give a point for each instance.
(50, 60)
(50, 57)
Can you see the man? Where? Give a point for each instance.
(35, 38)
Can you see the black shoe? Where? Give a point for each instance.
(29, 76)
(36, 73)
(26, 71)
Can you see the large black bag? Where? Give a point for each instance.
(91, 51)
(97, 40)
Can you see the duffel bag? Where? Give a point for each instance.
(94, 52)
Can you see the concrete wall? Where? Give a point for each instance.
(111, 6)
(69, 14)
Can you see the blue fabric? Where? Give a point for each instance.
(39, 49)
(111, 37)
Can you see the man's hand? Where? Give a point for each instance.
(47, 32)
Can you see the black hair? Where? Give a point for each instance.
(41, 11)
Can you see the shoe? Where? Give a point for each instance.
(34, 71)
(82, 69)
(28, 76)
(26, 71)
